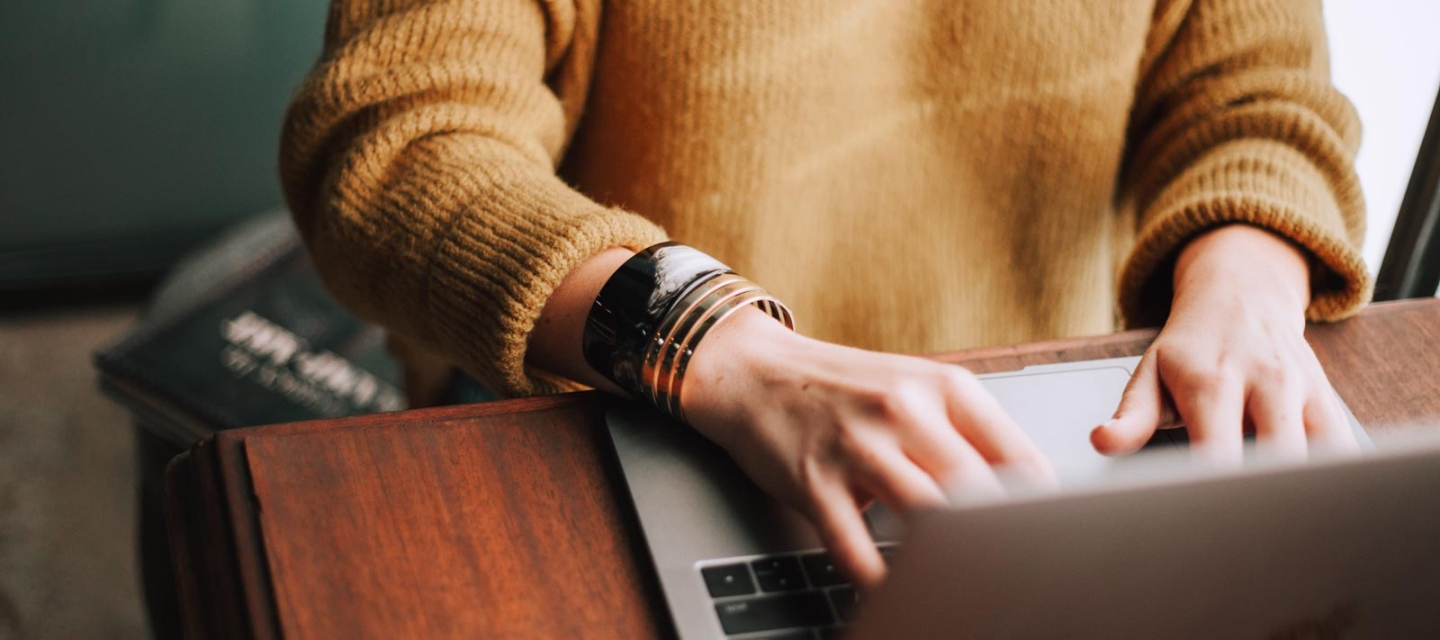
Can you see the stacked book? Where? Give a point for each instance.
(243, 334)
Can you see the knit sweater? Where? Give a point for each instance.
(911, 176)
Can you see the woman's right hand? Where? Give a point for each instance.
(828, 428)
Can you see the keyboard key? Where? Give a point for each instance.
(885, 525)
(770, 613)
(845, 599)
(779, 574)
(822, 571)
(729, 580)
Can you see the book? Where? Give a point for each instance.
(243, 333)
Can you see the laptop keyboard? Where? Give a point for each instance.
(800, 596)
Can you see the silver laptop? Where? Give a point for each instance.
(1107, 556)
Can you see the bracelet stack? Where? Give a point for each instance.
(653, 313)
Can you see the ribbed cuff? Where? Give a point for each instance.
(1262, 183)
(495, 270)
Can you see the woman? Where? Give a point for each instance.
(908, 176)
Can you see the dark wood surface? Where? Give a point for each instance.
(508, 519)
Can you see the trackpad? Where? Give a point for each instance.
(1059, 409)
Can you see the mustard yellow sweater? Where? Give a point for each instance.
(909, 175)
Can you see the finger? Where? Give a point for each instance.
(989, 435)
(1278, 414)
(1213, 413)
(843, 530)
(1142, 406)
(953, 465)
(896, 481)
(943, 453)
(1327, 426)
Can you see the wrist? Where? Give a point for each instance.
(1243, 261)
(731, 358)
(561, 325)
(654, 313)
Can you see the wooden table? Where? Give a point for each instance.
(509, 519)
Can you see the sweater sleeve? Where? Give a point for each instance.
(1235, 120)
(419, 160)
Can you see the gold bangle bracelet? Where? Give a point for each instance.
(646, 322)
(666, 386)
(664, 336)
(668, 351)
(759, 299)
(658, 378)
(722, 304)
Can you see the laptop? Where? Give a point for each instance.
(1106, 556)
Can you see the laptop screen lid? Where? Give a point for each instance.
(1343, 548)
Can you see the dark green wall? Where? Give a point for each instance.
(129, 128)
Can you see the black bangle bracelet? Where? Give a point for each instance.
(633, 304)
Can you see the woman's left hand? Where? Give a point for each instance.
(1232, 357)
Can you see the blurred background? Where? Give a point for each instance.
(130, 130)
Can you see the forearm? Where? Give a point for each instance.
(426, 191)
(555, 344)
(1242, 126)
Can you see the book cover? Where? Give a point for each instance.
(245, 334)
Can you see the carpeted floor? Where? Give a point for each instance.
(67, 497)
